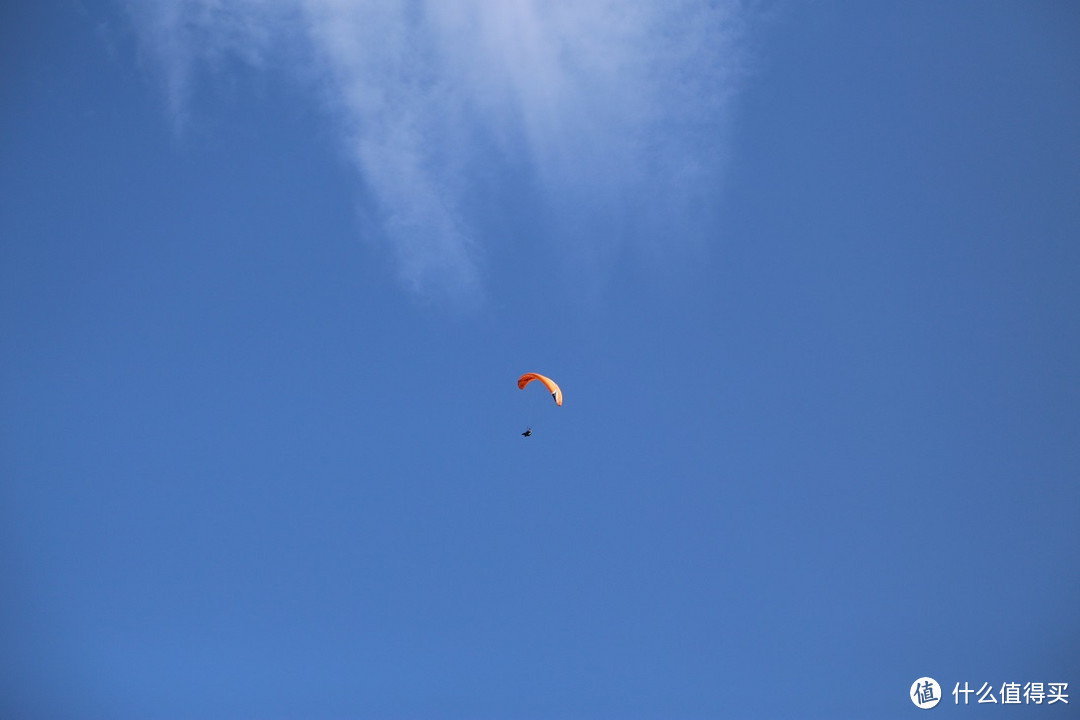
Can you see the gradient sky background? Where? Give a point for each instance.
(808, 274)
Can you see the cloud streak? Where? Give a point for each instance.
(614, 110)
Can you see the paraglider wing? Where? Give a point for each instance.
(554, 389)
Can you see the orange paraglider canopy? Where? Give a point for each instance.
(554, 389)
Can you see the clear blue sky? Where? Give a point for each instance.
(808, 274)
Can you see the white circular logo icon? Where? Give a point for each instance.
(925, 693)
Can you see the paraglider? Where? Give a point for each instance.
(553, 388)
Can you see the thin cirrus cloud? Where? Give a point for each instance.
(613, 110)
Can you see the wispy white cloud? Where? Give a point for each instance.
(616, 109)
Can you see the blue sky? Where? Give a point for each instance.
(806, 272)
